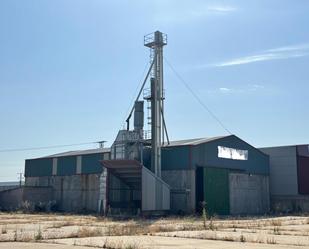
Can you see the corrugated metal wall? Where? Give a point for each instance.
(249, 194)
(207, 155)
(182, 185)
(155, 192)
(65, 165)
(303, 169)
(91, 163)
(177, 157)
(188, 156)
(283, 170)
(38, 167)
(216, 190)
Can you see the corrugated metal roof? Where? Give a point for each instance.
(129, 171)
(2, 184)
(282, 146)
(194, 141)
(80, 152)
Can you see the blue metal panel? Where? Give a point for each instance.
(66, 165)
(91, 163)
(177, 157)
(207, 155)
(38, 167)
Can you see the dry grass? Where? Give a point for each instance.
(111, 244)
(89, 232)
(62, 224)
(21, 227)
(228, 238)
(276, 223)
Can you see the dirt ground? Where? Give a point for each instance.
(39, 231)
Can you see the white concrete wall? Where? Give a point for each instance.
(249, 194)
(75, 193)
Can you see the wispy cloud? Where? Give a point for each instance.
(244, 89)
(183, 13)
(267, 55)
(221, 8)
(225, 89)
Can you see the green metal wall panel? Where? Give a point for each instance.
(177, 157)
(207, 155)
(91, 163)
(216, 191)
(38, 167)
(66, 165)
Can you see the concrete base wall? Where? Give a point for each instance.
(74, 193)
(182, 187)
(3, 188)
(13, 199)
(249, 194)
(289, 204)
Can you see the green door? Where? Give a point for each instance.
(216, 191)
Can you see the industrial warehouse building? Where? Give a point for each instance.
(142, 175)
(228, 174)
(73, 176)
(289, 177)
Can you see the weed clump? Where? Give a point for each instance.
(242, 238)
(39, 235)
(271, 240)
(204, 214)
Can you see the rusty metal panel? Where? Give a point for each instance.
(303, 174)
(303, 150)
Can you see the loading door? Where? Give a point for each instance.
(213, 188)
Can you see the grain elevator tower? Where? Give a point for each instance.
(155, 42)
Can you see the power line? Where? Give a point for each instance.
(44, 147)
(138, 86)
(197, 97)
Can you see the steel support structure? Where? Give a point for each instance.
(155, 42)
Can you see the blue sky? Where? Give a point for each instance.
(69, 70)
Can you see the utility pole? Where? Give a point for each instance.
(20, 178)
(101, 143)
